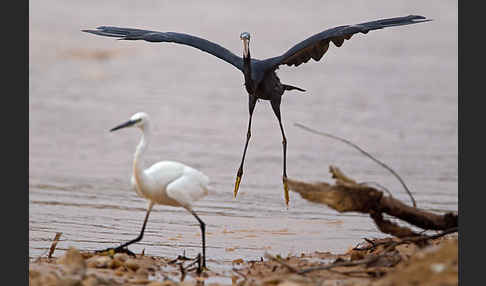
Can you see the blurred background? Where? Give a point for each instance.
(393, 92)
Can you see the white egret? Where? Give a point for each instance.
(164, 183)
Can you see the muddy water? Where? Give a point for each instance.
(393, 92)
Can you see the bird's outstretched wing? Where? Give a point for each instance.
(316, 46)
(170, 37)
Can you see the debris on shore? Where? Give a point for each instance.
(385, 261)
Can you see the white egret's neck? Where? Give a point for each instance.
(138, 165)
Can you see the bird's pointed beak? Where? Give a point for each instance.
(123, 125)
(246, 47)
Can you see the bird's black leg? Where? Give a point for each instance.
(138, 238)
(276, 109)
(251, 107)
(203, 234)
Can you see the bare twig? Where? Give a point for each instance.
(182, 257)
(182, 270)
(54, 244)
(351, 273)
(237, 271)
(367, 260)
(404, 240)
(362, 152)
(280, 261)
(427, 237)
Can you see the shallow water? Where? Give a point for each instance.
(393, 92)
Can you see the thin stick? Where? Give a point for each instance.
(280, 261)
(351, 272)
(407, 239)
(239, 273)
(364, 153)
(54, 244)
(370, 259)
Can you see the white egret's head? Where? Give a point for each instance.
(137, 120)
(245, 37)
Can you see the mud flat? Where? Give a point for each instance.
(384, 261)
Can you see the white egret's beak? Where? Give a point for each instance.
(123, 125)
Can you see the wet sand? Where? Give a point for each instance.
(393, 92)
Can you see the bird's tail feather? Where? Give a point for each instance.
(291, 87)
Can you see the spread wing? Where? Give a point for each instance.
(170, 37)
(316, 46)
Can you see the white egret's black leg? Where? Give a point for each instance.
(276, 109)
(203, 234)
(251, 107)
(138, 238)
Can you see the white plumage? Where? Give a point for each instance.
(172, 183)
(165, 183)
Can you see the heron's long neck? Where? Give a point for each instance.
(247, 72)
(138, 165)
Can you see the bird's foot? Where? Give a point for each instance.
(201, 264)
(110, 251)
(200, 268)
(183, 257)
(237, 185)
(286, 191)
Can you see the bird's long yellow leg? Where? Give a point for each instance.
(240, 170)
(251, 107)
(237, 185)
(286, 191)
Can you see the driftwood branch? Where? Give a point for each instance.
(348, 196)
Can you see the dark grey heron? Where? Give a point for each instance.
(261, 81)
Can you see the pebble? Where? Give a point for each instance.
(142, 273)
(115, 263)
(156, 283)
(90, 281)
(98, 262)
(438, 267)
(120, 271)
(47, 279)
(139, 281)
(164, 283)
(132, 264)
(356, 255)
(34, 273)
(121, 256)
(73, 262)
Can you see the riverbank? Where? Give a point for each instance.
(373, 262)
